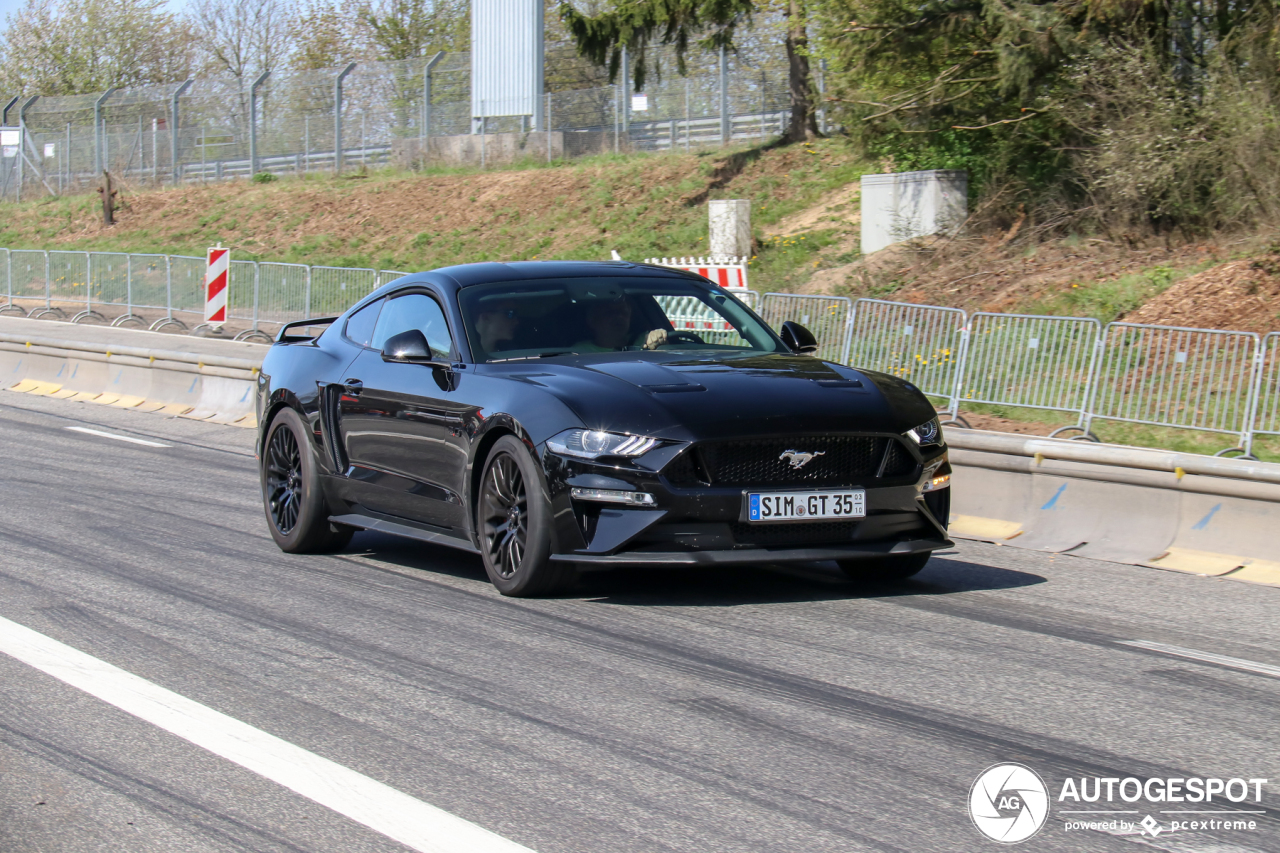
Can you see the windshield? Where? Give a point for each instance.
(513, 320)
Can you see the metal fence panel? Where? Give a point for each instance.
(1266, 405)
(1031, 361)
(335, 289)
(69, 278)
(920, 343)
(1168, 376)
(5, 264)
(149, 281)
(691, 314)
(826, 316)
(388, 276)
(282, 292)
(187, 276)
(109, 278)
(27, 268)
(242, 291)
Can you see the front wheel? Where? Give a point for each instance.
(297, 514)
(513, 515)
(886, 569)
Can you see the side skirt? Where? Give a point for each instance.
(403, 528)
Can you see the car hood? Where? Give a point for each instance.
(687, 397)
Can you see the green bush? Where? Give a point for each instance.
(263, 178)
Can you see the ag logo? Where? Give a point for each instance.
(1008, 803)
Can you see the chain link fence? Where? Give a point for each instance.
(401, 113)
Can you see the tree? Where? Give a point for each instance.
(405, 29)
(243, 37)
(71, 47)
(323, 35)
(710, 24)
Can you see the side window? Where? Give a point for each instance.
(414, 311)
(359, 328)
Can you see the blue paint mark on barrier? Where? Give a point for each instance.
(1053, 500)
(60, 369)
(118, 375)
(192, 389)
(1204, 522)
(74, 371)
(18, 365)
(245, 396)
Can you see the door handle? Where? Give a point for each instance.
(353, 387)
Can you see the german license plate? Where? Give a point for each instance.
(806, 506)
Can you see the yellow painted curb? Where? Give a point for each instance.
(976, 527)
(150, 406)
(1198, 562)
(84, 397)
(174, 409)
(34, 386)
(1258, 571)
(127, 402)
(106, 399)
(64, 393)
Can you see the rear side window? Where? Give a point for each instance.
(360, 324)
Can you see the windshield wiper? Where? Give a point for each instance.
(530, 357)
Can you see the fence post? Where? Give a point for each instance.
(256, 279)
(168, 287)
(306, 310)
(687, 127)
(426, 105)
(625, 106)
(253, 122)
(48, 304)
(22, 141)
(337, 117)
(1255, 394)
(962, 363)
(547, 130)
(725, 129)
(100, 160)
(173, 128)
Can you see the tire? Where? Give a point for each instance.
(884, 569)
(513, 518)
(297, 514)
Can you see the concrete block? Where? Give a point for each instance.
(730, 227)
(905, 205)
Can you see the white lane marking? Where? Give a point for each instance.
(414, 823)
(127, 438)
(1208, 657)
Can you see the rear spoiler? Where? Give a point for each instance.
(283, 336)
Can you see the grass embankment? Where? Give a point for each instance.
(639, 205)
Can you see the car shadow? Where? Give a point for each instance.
(784, 583)
(711, 586)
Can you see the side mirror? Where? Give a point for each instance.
(410, 348)
(799, 339)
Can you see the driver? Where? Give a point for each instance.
(609, 323)
(497, 324)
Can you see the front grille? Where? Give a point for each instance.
(793, 533)
(842, 460)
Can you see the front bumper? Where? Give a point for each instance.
(707, 525)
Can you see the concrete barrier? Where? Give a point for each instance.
(123, 371)
(1178, 511)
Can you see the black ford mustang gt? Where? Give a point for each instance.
(552, 415)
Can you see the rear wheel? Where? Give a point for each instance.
(297, 514)
(513, 515)
(885, 569)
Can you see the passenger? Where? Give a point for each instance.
(497, 324)
(610, 327)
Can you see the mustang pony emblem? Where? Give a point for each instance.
(801, 458)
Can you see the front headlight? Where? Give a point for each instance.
(927, 433)
(594, 443)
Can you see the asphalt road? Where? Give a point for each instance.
(760, 709)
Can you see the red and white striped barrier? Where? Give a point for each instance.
(215, 282)
(726, 272)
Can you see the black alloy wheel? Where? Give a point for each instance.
(513, 515)
(297, 513)
(284, 480)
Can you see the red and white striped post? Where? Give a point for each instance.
(215, 282)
